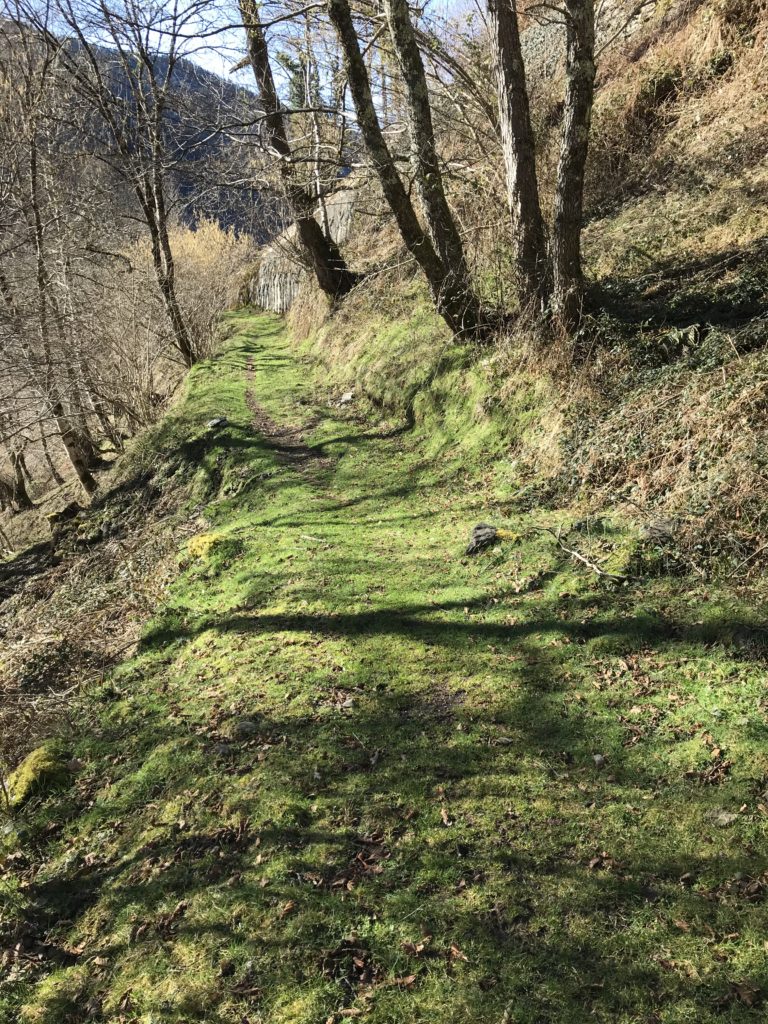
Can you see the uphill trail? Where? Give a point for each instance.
(352, 774)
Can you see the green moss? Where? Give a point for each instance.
(58, 997)
(208, 545)
(40, 773)
(423, 769)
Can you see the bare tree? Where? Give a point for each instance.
(557, 276)
(569, 195)
(519, 149)
(129, 88)
(425, 164)
(448, 283)
(27, 107)
(330, 269)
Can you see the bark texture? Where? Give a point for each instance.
(20, 497)
(425, 164)
(455, 305)
(569, 196)
(519, 149)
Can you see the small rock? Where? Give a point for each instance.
(349, 702)
(244, 729)
(483, 536)
(217, 423)
(346, 398)
(660, 530)
(64, 515)
(725, 818)
(599, 760)
(222, 750)
(649, 894)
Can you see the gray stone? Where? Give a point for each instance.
(217, 423)
(660, 530)
(245, 729)
(725, 818)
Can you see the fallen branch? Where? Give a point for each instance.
(579, 557)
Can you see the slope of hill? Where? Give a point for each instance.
(349, 773)
(657, 408)
(305, 760)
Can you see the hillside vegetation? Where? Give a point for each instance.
(657, 407)
(274, 749)
(349, 773)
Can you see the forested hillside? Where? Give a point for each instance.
(383, 511)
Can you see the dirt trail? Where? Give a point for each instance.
(285, 439)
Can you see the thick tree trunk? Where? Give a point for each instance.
(569, 196)
(450, 304)
(333, 276)
(425, 164)
(519, 148)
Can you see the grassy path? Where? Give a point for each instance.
(351, 774)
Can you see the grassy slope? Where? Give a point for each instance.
(417, 830)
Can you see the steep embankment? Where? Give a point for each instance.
(658, 408)
(352, 774)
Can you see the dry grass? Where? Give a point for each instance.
(67, 623)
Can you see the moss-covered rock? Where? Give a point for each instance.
(42, 771)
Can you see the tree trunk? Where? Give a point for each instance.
(55, 474)
(569, 196)
(15, 493)
(333, 276)
(449, 304)
(163, 264)
(425, 164)
(519, 148)
(20, 495)
(52, 392)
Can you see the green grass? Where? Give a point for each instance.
(416, 828)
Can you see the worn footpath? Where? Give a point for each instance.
(354, 774)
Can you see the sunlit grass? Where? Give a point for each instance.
(486, 790)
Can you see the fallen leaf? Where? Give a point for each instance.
(405, 982)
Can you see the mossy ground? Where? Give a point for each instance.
(485, 789)
(44, 769)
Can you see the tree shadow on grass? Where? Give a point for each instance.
(484, 889)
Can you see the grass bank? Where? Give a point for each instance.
(351, 774)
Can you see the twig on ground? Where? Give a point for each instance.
(747, 560)
(579, 557)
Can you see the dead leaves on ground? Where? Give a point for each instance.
(424, 948)
(164, 925)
